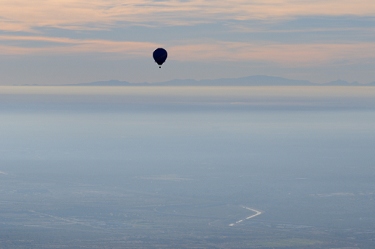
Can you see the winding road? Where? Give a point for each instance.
(257, 212)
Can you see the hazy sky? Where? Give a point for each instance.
(74, 41)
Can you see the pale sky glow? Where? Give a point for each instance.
(279, 37)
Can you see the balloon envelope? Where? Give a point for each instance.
(160, 55)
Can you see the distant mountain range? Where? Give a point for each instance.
(255, 80)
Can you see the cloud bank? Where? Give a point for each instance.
(279, 33)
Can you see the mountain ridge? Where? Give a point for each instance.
(254, 80)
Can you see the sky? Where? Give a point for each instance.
(52, 42)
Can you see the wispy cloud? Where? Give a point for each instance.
(276, 33)
(291, 54)
(61, 46)
(21, 15)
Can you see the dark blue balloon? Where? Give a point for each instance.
(160, 55)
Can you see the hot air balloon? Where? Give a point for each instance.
(160, 55)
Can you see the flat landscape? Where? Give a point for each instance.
(187, 168)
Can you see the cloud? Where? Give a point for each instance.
(21, 15)
(290, 54)
(209, 51)
(61, 46)
(42, 20)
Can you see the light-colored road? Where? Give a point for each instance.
(257, 212)
(69, 221)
